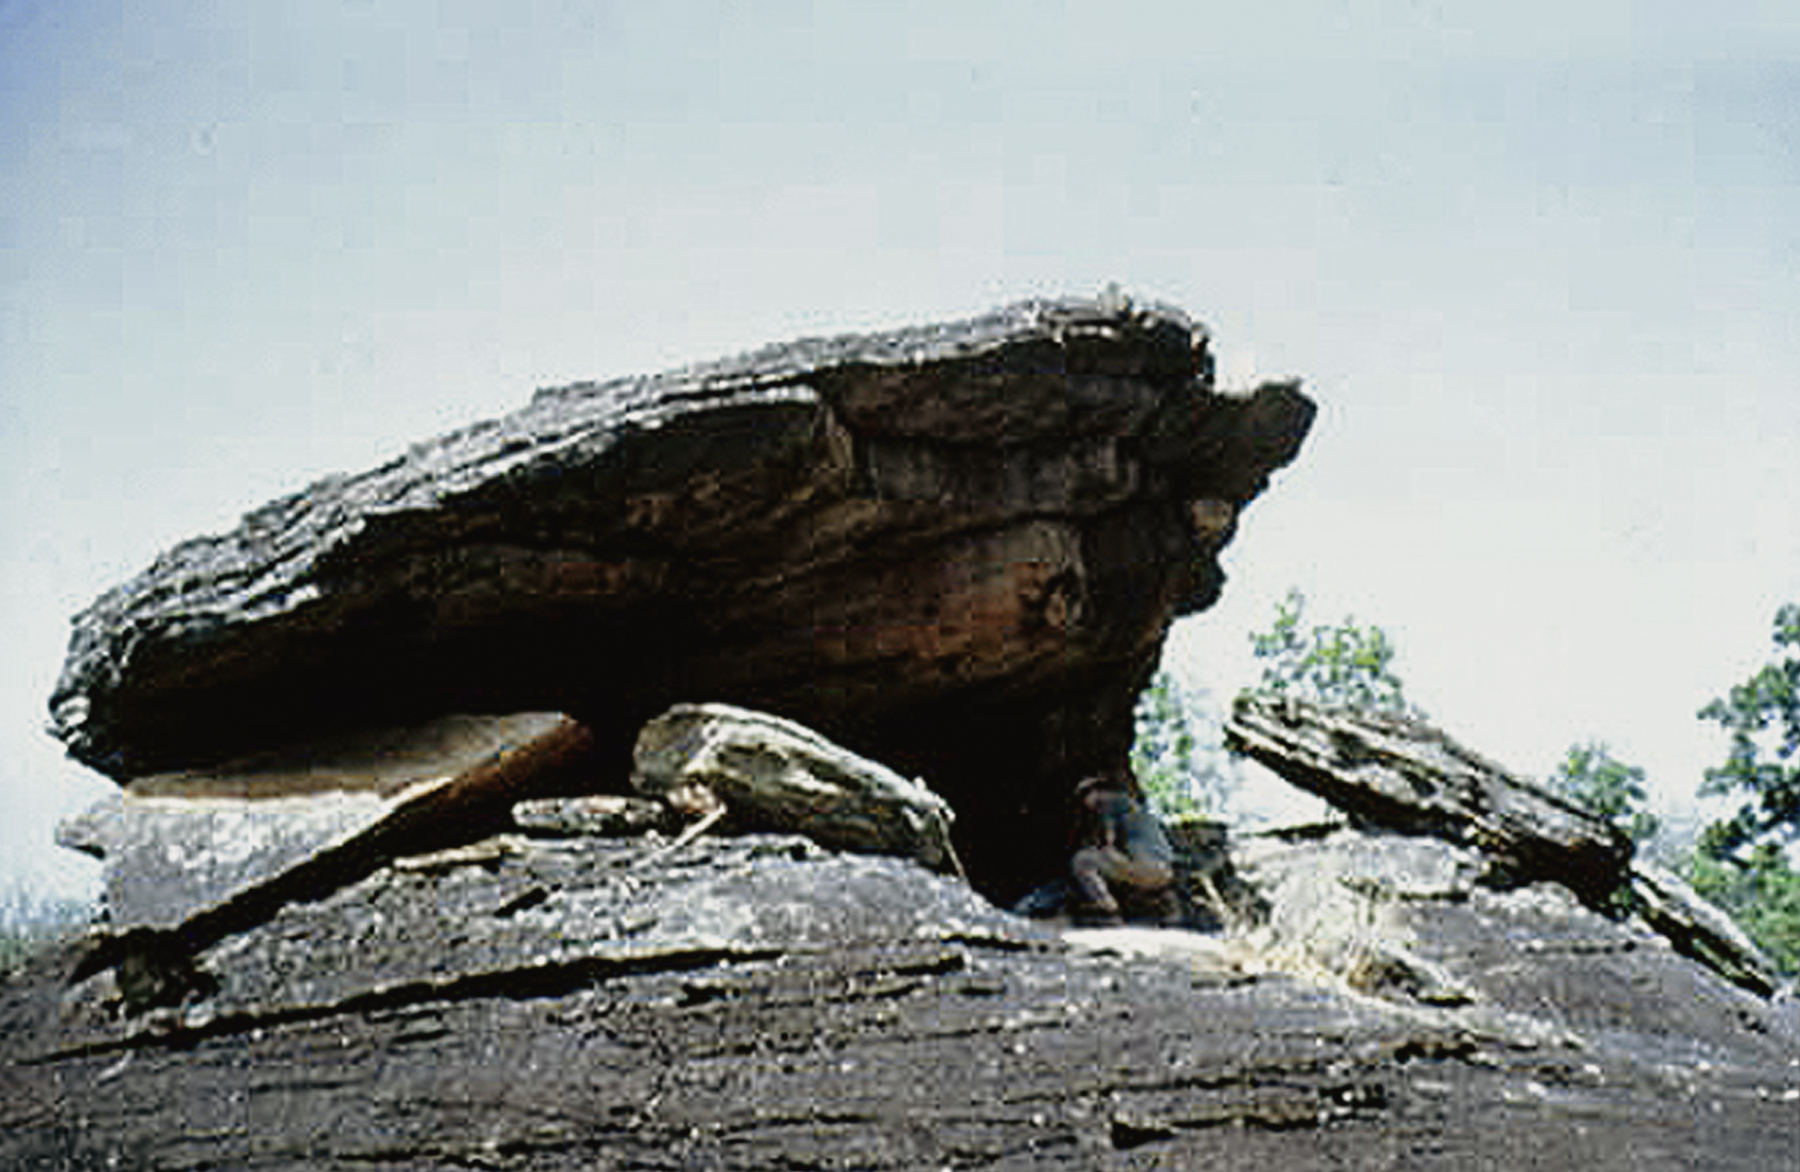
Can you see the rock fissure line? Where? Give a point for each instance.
(527, 982)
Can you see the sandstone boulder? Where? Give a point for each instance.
(954, 549)
(773, 774)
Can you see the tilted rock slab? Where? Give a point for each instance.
(1399, 773)
(953, 548)
(231, 843)
(773, 774)
(1667, 904)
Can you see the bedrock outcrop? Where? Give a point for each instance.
(954, 549)
(562, 1002)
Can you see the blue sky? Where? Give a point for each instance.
(1537, 265)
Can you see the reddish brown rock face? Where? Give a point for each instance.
(955, 549)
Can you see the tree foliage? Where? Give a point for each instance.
(1346, 664)
(1740, 863)
(1595, 779)
(1761, 892)
(1178, 753)
(1762, 714)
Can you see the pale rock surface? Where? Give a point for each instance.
(774, 774)
(185, 846)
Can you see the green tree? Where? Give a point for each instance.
(1740, 863)
(1761, 892)
(1605, 785)
(1178, 752)
(1762, 714)
(1346, 664)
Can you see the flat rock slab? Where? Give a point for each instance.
(552, 913)
(191, 844)
(590, 814)
(167, 859)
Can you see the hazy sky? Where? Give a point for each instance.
(1536, 262)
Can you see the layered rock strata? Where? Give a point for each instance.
(953, 548)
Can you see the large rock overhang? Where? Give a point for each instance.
(955, 548)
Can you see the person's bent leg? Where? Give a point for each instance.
(1089, 869)
(1146, 888)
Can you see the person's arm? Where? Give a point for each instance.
(1143, 838)
(1112, 813)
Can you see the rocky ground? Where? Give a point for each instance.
(758, 1002)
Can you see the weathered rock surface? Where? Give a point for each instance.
(1698, 929)
(954, 549)
(1415, 919)
(196, 855)
(758, 1002)
(773, 774)
(231, 842)
(1398, 773)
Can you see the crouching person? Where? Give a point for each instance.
(1122, 867)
